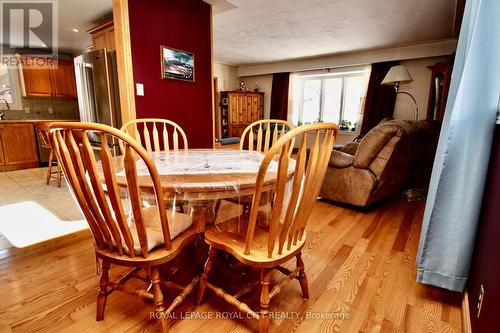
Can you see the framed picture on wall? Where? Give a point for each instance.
(177, 64)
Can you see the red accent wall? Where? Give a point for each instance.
(184, 25)
(485, 268)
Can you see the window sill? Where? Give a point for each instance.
(347, 132)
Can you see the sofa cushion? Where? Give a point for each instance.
(349, 185)
(349, 148)
(339, 159)
(373, 143)
(380, 161)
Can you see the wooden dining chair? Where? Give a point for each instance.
(262, 134)
(156, 134)
(143, 240)
(268, 245)
(42, 129)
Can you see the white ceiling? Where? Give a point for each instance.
(73, 14)
(259, 31)
(80, 15)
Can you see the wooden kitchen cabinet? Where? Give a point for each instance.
(47, 80)
(18, 146)
(103, 36)
(37, 82)
(238, 110)
(63, 80)
(2, 159)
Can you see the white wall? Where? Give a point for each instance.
(419, 88)
(265, 83)
(415, 51)
(227, 76)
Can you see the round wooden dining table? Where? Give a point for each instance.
(202, 174)
(202, 177)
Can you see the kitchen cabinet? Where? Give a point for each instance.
(18, 146)
(47, 80)
(103, 36)
(238, 110)
(37, 82)
(2, 159)
(63, 80)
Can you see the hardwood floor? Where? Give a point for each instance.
(360, 267)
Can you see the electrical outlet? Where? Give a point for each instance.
(51, 110)
(480, 300)
(26, 110)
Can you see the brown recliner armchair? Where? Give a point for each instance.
(379, 165)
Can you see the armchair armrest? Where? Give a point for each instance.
(339, 159)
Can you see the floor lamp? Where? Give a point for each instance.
(395, 76)
(399, 74)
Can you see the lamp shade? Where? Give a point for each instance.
(398, 74)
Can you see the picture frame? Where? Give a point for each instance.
(176, 64)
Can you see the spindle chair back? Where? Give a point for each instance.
(262, 134)
(157, 134)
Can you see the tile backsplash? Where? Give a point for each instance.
(39, 109)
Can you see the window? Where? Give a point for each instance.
(332, 97)
(9, 92)
(5, 93)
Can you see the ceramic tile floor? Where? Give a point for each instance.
(29, 185)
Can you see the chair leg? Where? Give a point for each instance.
(59, 174)
(102, 296)
(264, 300)
(49, 169)
(158, 298)
(216, 208)
(302, 277)
(203, 281)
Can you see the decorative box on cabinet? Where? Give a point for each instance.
(238, 110)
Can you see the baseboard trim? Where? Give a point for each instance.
(466, 327)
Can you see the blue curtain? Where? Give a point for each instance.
(459, 173)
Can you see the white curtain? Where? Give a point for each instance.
(458, 178)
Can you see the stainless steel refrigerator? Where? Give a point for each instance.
(97, 89)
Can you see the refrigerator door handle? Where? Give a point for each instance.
(88, 101)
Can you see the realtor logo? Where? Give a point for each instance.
(29, 27)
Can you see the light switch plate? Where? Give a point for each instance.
(26, 110)
(51, 110)
(139, 87)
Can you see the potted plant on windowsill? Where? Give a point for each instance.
(345, 125)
